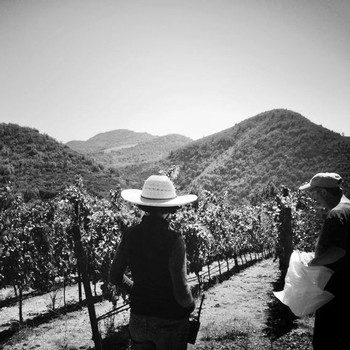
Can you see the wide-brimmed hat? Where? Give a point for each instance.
(326, 180)
(157, 191)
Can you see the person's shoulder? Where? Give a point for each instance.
(342, 206)
(128, 229)
(340, 210)
(131, 230)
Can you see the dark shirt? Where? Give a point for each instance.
(336, 233)
(331, 328)
(146, 249)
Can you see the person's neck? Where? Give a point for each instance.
(157, 215)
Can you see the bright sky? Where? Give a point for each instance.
(75, 68)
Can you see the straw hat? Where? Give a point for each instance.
(157, 191)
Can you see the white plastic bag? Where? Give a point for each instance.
(304, 285)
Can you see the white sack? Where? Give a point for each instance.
(304, 285)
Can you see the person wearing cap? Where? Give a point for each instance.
(332, 250)
(160, 298)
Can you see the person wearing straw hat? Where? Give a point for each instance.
(160, 298)
(332, 250)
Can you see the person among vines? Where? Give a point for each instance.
(160, 298)
(332, 250)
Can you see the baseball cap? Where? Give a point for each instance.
(327, 180)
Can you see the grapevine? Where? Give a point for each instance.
(37, 248)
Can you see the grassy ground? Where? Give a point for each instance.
(239, 313)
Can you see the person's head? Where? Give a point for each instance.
(325, 189)
(158, 196)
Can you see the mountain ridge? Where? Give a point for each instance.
(109, 139)
(125, 147)
(277, 147)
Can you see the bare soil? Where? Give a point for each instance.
(242, 313)
(238, 313)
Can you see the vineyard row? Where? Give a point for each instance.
(39, 246)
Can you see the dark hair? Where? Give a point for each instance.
(163, 210)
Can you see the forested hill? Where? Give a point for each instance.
(39, 166)
(119, 148)
(279, 147)
(110, 140)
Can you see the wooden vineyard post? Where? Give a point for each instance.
(82, 261)
(83, 264)
(285, 236)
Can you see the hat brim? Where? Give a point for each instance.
(134, 196)
(305, 187)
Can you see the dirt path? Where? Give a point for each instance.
(235, 314)
(244, 296)
(238, 306)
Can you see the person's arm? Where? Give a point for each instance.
(332, 242)
(118, 267)
(178, 272)
(331, 255)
